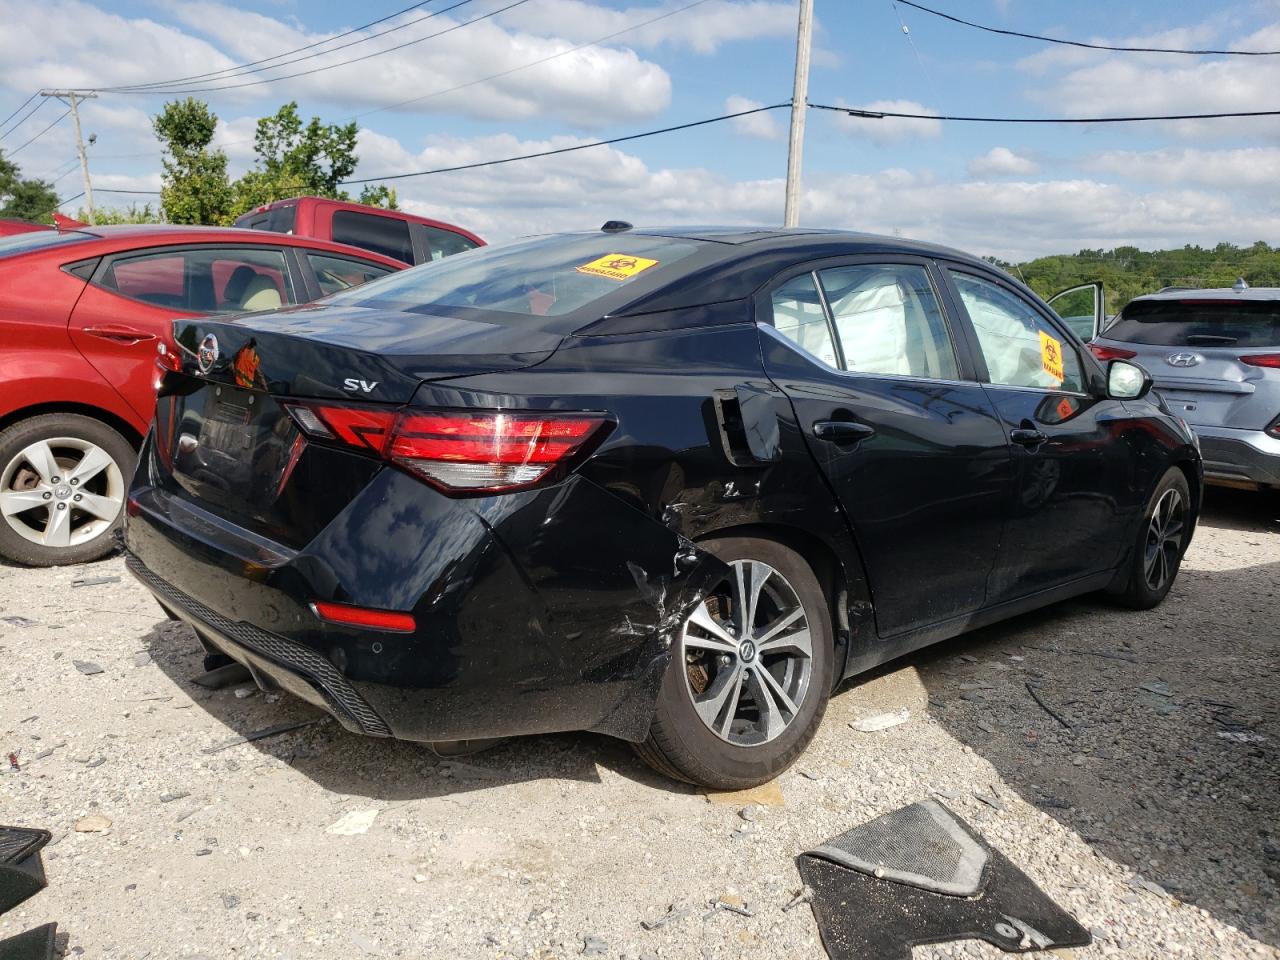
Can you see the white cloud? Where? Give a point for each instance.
(1002, 162)
(1236, 169)
(888, 130)
(759, 126)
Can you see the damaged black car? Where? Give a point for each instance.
(668, 485)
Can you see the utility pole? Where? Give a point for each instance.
(73, 97)
(799, 106)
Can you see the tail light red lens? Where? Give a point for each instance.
(350, 616)
(1271, 360)
(460, 451)
(1111, 353)
(1274, 428)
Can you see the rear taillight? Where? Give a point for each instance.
(351, 616)
(1274, 428)
(460, 451)
(1271, 360)
(1111, 353)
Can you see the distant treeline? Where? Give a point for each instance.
(1128, 272)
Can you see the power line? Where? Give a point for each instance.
(24, 119)
(883, 114)
(141, 193)
(533, 63)
(41, 133)
(254, 63)
(61, 203)
(341, 63)
(21, 107)
(560, 150)
(1081, 43)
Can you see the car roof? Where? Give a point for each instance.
(849, 240)
(357, 207)
(1215, 293)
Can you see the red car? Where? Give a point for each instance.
(82, 313)
(392, 233)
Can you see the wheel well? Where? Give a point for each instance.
(1193, 484)
(118, 424)
(826, 567)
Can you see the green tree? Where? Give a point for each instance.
(379, 196)
(24, 199)
(195, 187)
(130, 214)
(297, 159)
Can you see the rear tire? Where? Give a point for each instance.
(63, 479)
(719, 721)
(1161, 541)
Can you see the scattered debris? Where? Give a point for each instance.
(93, 581)
(986, 726)
(96, 762)
(674, 912)
(881, 721)
(276, 730)
(19, 622)
(766, 795)
(243, 693)
(968, 658)
(94, 823)
(87, 667)
(1046, 708)
(170, 797)
(808, 774)
(203, 852)
(13, 762)
(803, 895)
(1158, 687)
(593, 946)
(141, 658)
(1140, 882)
(730, 904)
(751, 812)
(352, 823)
(230, 901)
(991, 800)
(1241, 736)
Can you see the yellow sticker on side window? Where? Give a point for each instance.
(1051, 357)
(617, 266)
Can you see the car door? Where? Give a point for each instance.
(133, 297)
(1065, 518)
(1081, 308)
(909, 442)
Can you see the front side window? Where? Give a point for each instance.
(798, 316)
(1021, 348)
(210, 280)
(335, 274)
(445, 243)
(888, 321)
(388, 236)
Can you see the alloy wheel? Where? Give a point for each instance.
(1164, 540)
(61, 492)
(747, 654)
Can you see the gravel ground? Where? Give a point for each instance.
(1147, 806)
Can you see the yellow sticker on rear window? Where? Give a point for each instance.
(1051, 357)
(617, 266)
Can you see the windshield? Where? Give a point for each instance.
(543, 277)
(38, 240)
(1199, 323)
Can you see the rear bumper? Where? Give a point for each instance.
(1241, 456)
(540, 612)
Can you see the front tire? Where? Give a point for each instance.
(750, 674)
(63, 479)
(1162, 539)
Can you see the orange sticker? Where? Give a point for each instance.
(617, 266)
(1065, 408)
(1051, 357)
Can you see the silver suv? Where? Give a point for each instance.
(1215, 358)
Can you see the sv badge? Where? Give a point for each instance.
(366, 386)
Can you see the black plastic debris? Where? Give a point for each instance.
(37, 944)
(921, 875)
(21, 870)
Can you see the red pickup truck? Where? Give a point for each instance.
(392, 233)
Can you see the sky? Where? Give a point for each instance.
(1013, 191)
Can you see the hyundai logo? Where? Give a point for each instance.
(1182, 359)
(207, 355)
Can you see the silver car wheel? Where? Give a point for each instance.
(1164, 539)
(748, 655)
(61, 492)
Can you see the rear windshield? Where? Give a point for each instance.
(1199, 323)
(38, 240)
(543, 277)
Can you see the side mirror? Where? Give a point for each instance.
(1127, 381)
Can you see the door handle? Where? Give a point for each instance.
(120, 334)
(842, 431)
(1027, 438)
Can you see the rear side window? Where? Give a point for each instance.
(798, 316)
(210, 280)
(1021, 348)
(1199, 323)
(335, 274)
(385, 235)
(445, 243)
(277, 219)
(888, 321)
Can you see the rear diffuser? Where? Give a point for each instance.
(21, 870)
(921, 875)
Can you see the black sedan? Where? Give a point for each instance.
(668, 485)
